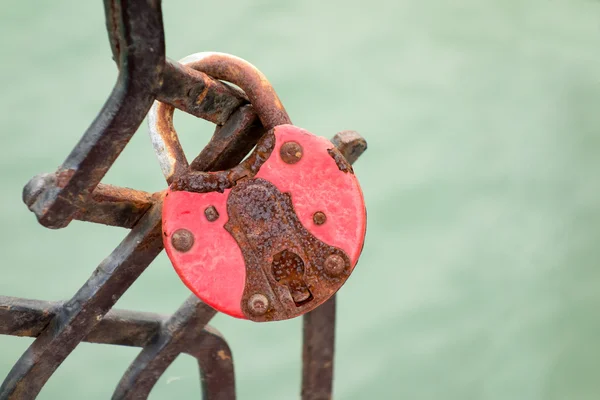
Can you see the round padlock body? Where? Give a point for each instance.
(276, 245)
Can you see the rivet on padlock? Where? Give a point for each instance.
(273, 237)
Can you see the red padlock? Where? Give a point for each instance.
(275, 236)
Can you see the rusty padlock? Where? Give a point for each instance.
(275, 236)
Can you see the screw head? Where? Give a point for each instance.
(258, 304)
(319, 218)
(211, 213)
(334, 265)
(182, 240)
(291, 152)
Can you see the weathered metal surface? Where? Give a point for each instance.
(171, 157)
(183, 328)
(181, 331)
(198, 94)
(341, 162)
(219, 181)
(74, 192)
(255, 85)
(237, 136)
(319, 325)
(78, 317)
(87, 308)
(263, 222)
(24, 317)
(216, 367)
(166, 143)
(351, 144)
(130, 23)
(115, 206)
(318, 352)
(216, 268)
(108, 204)
(17, 319)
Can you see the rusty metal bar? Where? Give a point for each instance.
(198, 94)
(115, 206)
(24, 317)
(237, 131)
(318, 352)
(243, 74)
(78, 317)
(29, 318)
(181, 329)
(172, 158)
(82, 313)
(216, 368)
(351, 144)
(195, 92)
(129, 23)
(237, 136)
(319, 325)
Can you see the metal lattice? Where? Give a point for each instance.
(74, 191)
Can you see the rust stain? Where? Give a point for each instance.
(64, 176)
(254, 84)
(202, 95)
(204, 182)
(284, 261)
(341, 162)
(223, 355)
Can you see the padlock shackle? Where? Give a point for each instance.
(254, 83)
(261, 95)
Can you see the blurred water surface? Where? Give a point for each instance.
(479, 278)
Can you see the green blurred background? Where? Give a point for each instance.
(479, 278)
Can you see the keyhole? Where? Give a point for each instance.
(288, 269)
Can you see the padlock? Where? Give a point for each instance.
(273, 237)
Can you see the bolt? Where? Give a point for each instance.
(291, 152)
(258, 304)
(319, 218)
(334, 265)
(211, 213)
(182, 240)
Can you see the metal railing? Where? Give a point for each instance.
(74, 191)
